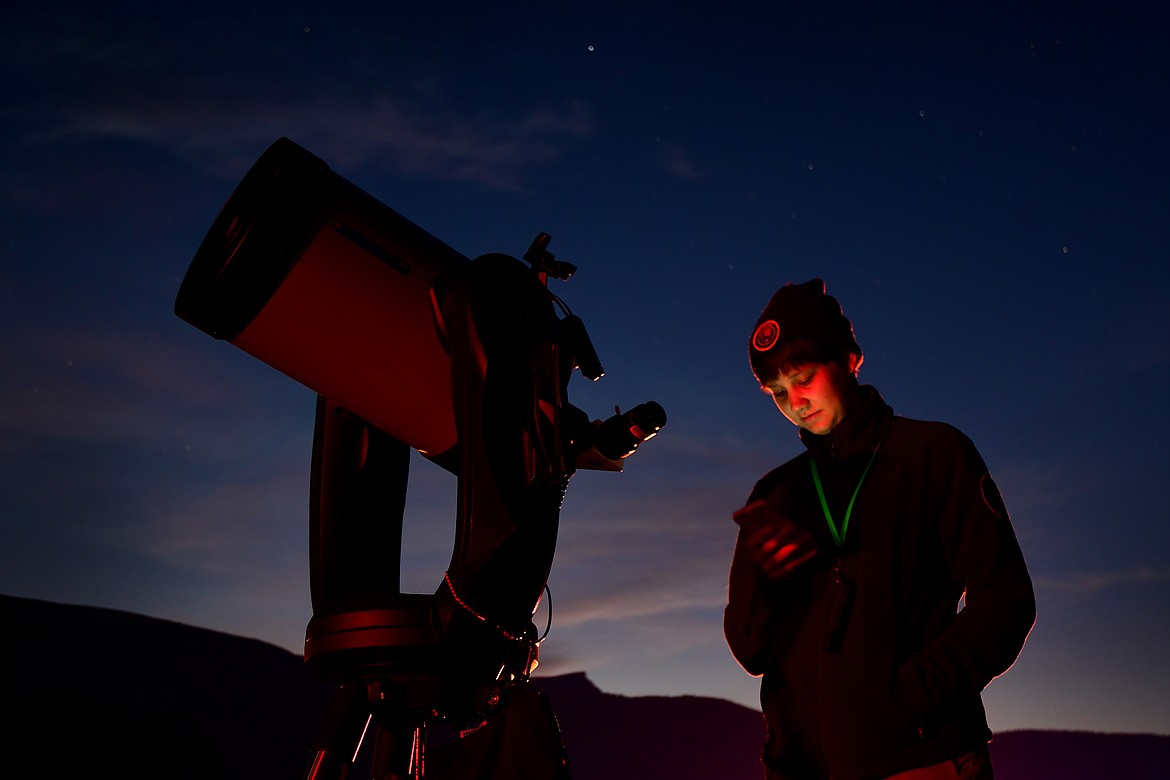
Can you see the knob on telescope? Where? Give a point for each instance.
(544, 262)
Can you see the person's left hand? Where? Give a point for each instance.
(778, 545)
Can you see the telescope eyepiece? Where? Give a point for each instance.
(618, 436)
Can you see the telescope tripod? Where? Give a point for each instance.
(394, 719)
(364, 711)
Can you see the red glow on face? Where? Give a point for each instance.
(812, 396)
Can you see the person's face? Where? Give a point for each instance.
(813, 396)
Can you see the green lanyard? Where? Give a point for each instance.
(839, 536)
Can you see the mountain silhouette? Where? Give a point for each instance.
(87, 690)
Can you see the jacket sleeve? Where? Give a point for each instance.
(984, 557)
(749, 619)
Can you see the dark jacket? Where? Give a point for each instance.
(899, 685)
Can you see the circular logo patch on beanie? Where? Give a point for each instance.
(766, 335)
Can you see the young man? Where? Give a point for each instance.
(877, 584)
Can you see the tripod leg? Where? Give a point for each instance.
(341, 733)
(394, 753)
(418, 763)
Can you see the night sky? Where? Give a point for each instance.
(983, 186)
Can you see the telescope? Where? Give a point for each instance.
(410, 345)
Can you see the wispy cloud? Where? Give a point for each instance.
(1097, 582)
(678, 162)
(492, 148)
(236, 529)
(659, 554)
(128, 442)
(83, 384)
(101, 80)
(664, 595)
(1034, 485)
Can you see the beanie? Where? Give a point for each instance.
(802, 312)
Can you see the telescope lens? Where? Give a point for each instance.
(254, 242)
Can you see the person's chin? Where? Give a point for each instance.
(814, 424)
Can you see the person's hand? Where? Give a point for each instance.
(776, 544)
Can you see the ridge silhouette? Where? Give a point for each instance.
(89, 688)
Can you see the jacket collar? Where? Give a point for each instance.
(858, 434)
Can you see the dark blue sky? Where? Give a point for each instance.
(982, 185)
